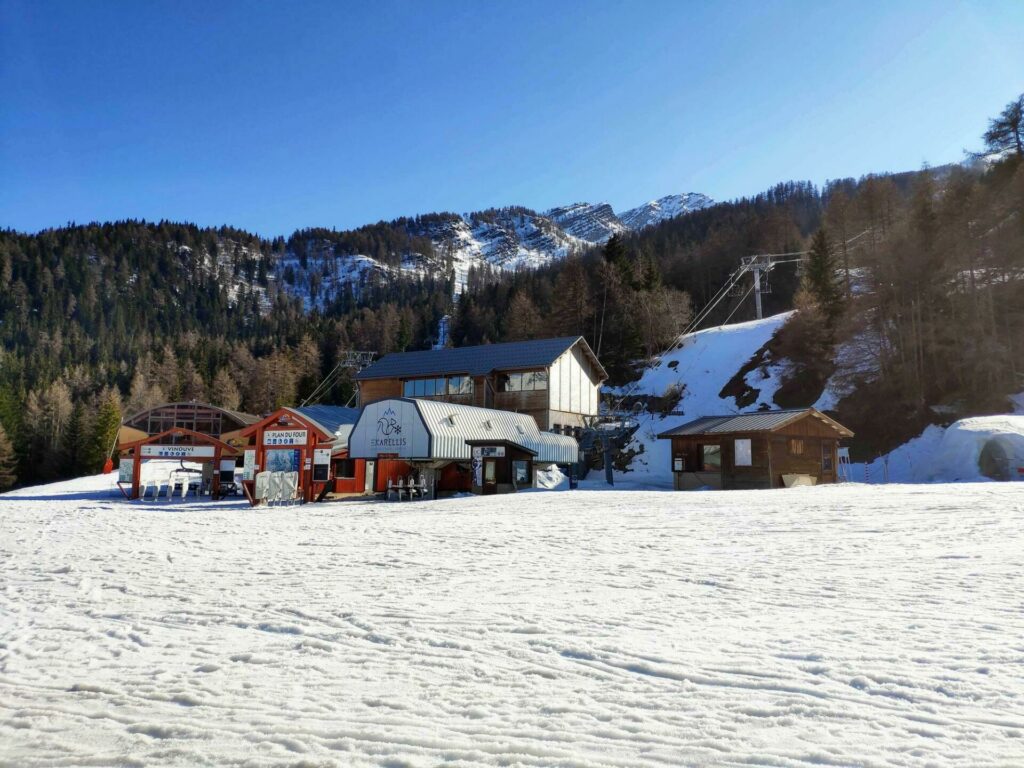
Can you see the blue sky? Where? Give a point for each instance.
(276, 116)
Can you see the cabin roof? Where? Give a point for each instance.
(478, 360)
(758, 421)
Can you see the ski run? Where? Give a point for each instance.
(844, 625)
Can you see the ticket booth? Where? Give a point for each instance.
(214, 456)
(501, 466)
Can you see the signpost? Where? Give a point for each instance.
(177, 451)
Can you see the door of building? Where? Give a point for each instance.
(371, 467)
(490, 476)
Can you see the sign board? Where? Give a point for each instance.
(478, 466)
(249, 464)
(677, 464)
(395, 428)
(178, 451)
(285, 437)
(321, 455)
(494, 451)
(125, 470)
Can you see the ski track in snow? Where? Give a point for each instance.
(853, 625)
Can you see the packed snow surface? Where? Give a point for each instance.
(856, 625)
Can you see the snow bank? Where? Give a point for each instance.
(551, 478)
(951, 454)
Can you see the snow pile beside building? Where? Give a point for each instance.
(976, 449)
(551, 478)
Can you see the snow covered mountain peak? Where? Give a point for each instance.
(664, 208)
(591, 222)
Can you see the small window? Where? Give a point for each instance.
(540, 380)
(521, 473)
(744, 456)
(712, 458)
(796, 446)
(826, 457)
(345, 469)
(409, 388)
(420, 387)
(515, 383)
(557, 429)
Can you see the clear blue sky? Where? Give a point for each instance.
(272, 116)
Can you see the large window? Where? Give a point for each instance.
(711, 458)
(437, 387)
(346, 468)
(529, 381)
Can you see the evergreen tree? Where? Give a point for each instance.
(73, 442)
(819, 278)
(104, 430)
(1006, 132)
(8, 461)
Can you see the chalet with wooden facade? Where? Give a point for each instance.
(556, 381)
(765, 449)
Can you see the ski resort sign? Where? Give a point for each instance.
(391, 428)
(285, 437)
(178, 451)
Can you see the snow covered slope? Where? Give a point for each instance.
(817, 626)
(592, 223)
(664, 208)
(702, 364)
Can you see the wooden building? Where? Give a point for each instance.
(311, 441)
(556, 381)
(764, 449)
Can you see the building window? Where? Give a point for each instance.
(557, 429)
(460, 385)
(409, 388)
(744, 457)
(826, 457)
(345, 469)
(530, 381)
(521, 473)
(796, 446)
(711, 458)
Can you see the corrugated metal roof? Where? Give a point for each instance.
(330, 418)
(758, 421)
(451, 425)
(474, 361)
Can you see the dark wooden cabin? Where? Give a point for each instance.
(765, 449)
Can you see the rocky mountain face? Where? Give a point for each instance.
(664, 208)
(317, 267)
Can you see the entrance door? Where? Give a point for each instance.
(371, 467)
(490, 476)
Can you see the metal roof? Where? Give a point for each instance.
(758, 421)
(452, 425)
(476, 361)
(448, 426)
(330, 418)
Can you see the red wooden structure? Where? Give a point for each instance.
(287, 440)
(176, 443)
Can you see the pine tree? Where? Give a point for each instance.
(819, 278)
(104, 430)
(522, 318)
(8, 461)
(73, 442)
(1006, 132)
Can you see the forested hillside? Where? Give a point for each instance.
(911, 302)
